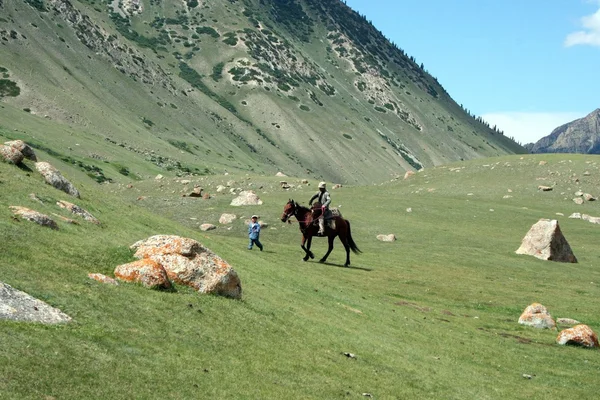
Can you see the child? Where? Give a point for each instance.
(254, 233)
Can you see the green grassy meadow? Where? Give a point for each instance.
(432, 315)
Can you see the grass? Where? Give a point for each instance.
(432, 315)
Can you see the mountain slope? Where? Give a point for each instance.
(579, 136)
(306, 87)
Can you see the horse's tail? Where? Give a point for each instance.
(351, 243)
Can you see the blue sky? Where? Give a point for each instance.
(527, 66)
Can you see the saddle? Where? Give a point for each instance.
(330, 215)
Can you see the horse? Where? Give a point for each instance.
(304, 216)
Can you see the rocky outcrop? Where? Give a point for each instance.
(54, 177)
(546, 242)
(124, 58)
(34, 216)
(579, 136)
(188, 262)
(537, 315)
(580, 335)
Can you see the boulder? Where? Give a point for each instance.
(579, 335)
(588, 197)
(567, 321)
(196, 192)
(578, 200)
(16, 305)
(207, 227)
(23, 147)
(408, 174)
(148, 272)
(34, 216)
(227, 218)
(280, 174)
(55, 178)
(11, 155)
(75, 209)
(589, 218)
(387, 238)
(221, 188)
(247, 198)
(546, 242)
(545, 188)
(537, 316)
(188, 262)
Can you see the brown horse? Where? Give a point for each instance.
(309, 229)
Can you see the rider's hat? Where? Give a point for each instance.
(254, 216)
(321, 185)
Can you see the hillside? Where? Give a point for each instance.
(579, 136)
(431, 315)
(304, 87)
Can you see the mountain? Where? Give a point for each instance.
(579, 136)
(306, 87)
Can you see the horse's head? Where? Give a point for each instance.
(288, 211)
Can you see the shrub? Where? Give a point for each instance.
(304, 108)
(9, 88)
(207, 30)
(181, 145)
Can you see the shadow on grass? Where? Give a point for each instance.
(342, 266)
(24, 167)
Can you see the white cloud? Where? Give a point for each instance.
(527, 127)
(590, 35)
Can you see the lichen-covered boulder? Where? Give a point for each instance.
(56, 179)
(580, 335)
(188, 262)
(147, 272)
(537, 315)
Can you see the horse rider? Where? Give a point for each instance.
(323, 197)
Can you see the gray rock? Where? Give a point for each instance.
(55, 178)
(546, 242)
(16, 305)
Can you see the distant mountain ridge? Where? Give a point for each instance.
(579, 136)
(306, 87)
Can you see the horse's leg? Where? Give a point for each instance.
(330, 243)
(305, 248)
(344, 241)
(308, 244)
